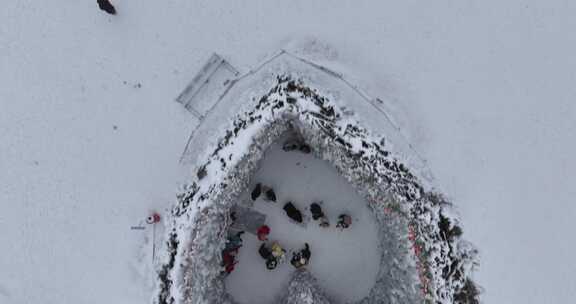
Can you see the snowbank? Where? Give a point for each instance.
(423, 256)
(304, 289)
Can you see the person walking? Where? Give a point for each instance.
(106, 6)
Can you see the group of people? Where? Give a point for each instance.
(272, 252)
(230, 252)
(344, 220)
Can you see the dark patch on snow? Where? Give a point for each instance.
(164, 296)
(201, 173)
(469, 294)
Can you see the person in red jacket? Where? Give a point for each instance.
(229, 260)
(263, 232)
(230, 267)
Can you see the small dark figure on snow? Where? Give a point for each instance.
(318, 214)
(106, 6)
(292, 212)
(304, 148)
(265, 252)
(301, 258)
(316, 211)
(267, 255)
(271, 264)
(269, 194)
(306, 252)
(296, 144)
(256, 191)
(344, 221)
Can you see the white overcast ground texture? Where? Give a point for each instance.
(90, 135)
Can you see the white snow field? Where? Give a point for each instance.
(345, 263)
(483, 89)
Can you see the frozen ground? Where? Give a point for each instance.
(344, 262)
(485, 90)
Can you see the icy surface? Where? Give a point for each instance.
(345, 263)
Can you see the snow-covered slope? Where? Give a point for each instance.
(483, 88)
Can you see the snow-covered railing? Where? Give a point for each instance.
(211, 82)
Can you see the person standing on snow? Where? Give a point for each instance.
(269, 194)
(263, 233)
(318, 214)
(234, 241)
(277, 251)
(301, 258)
(256, 191)
(106, 6)
(344, 221)
(293, 213)
(229, 260)
(306, 252)
(266, 254)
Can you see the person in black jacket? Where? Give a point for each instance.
(269, 194)
(266, 254)
(344, 221)
(302, 257)
(292, 212)
(318, 214)
(106, 6)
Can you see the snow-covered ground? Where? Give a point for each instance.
(345, 263)
(484, 90)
